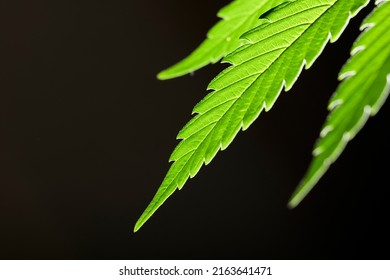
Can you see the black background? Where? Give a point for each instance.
(86, 132)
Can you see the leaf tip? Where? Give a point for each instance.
(164, 75)
(174, 72)
(299, 194)
(294, 201)
(138, 225)
(291, 205)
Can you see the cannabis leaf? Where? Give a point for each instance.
(365, 87)
(290, 37)
(237, 18)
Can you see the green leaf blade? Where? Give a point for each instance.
(364, 88)
(236, 18)
(274, 56)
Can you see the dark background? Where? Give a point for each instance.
(86, 131)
